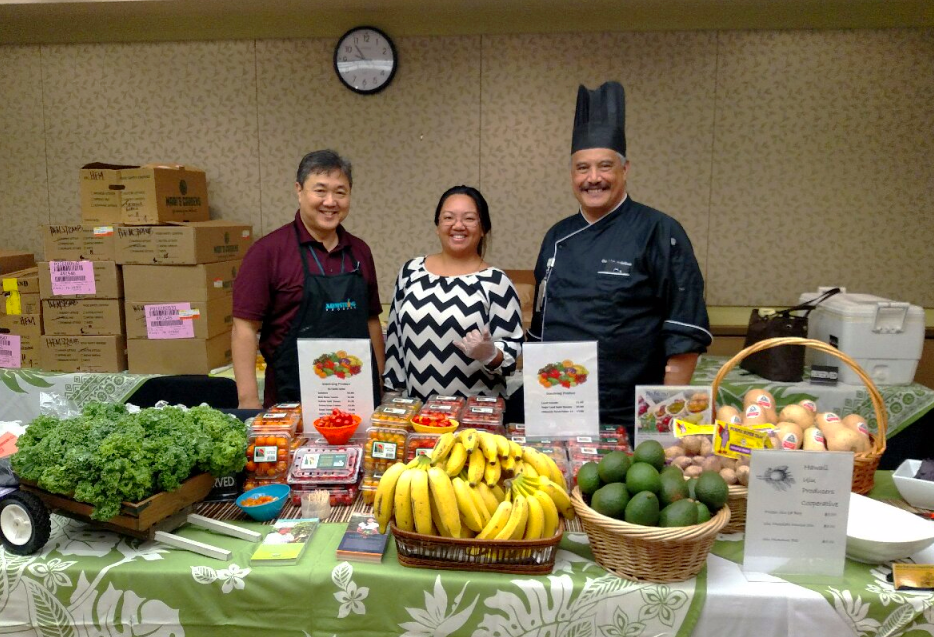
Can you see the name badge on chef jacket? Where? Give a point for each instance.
(613, 267)
(561, 389)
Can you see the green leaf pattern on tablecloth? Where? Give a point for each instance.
(29, 586)
(231, 578)
(115, 388)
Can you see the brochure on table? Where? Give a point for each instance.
(658, 406)
(335, 373)
(796, 513)
(561, 395)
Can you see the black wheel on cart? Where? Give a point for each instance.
(24, 523)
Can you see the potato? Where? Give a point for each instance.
(693, 471)
(742, 475)
(692, 444)
(729, 415)
(728, 475)
(682, 462)
(801, 416)
(814, 440)
(728, 463)
(844, 439)
(673, 452)
(711, 463)
(706, 447)
(698, 460)
(790, 435)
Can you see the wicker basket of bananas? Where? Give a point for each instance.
(478, 502)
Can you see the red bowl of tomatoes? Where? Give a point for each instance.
(338, 426)
(433, 424)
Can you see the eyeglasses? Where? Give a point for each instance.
(450, 220)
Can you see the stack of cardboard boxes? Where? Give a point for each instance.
(178, 265)
(20, 311)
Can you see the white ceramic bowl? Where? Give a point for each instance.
(877, 532)
(917, 493)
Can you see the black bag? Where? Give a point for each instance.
(786, 362)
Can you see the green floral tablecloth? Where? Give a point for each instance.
(905, 403)
(90, 582)
(863, 597)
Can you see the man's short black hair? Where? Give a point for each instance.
(323, 162)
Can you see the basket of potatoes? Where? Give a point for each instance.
(694, 455)
(802, 426)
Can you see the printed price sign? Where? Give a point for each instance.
(336, 373)
(796, 513)
(72, 277)
(10, 351)
(561, 389)
(170, 320)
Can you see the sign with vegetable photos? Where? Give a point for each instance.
(335, 373)
(561, 389)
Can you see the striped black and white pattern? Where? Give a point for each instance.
(430, 312)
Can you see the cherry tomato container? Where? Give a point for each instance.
(403, 401)
(268, 455)
(289, 408)
(315, 465)
(384, 447)
(496, 402)
(278, 421)
(393, 416)
(420, 444)
(483, 417)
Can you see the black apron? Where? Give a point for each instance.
(346, 291)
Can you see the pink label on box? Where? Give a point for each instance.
(169, 320)
(72, 277)
(10, 351)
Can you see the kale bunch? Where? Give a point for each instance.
(106, 455)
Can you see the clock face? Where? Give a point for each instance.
(365, 60)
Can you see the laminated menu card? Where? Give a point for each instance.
(561, 389)
(335, 373)
(796, 513)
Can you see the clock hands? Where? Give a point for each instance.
(362, 57)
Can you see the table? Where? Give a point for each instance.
(905, 404)
(95, 582)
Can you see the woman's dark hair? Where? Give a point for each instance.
(482, 209)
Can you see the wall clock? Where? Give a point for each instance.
(365, 60)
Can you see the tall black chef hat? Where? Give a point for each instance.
(600, 118)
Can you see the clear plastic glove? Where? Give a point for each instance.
(478, 345)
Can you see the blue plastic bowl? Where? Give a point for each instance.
(265, 512)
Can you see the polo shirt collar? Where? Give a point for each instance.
(304, 237)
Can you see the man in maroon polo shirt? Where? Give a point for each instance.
(292, 274)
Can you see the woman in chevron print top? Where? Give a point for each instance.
(455, 325)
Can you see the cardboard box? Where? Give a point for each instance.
(21, 325)
(184, 243)
(29, 329)
(83, 353)
(82, 317)
(20, 292)
(108, 282)
(184, 356)
(13, 260)
(209, 318)
(78, 242)
(179, 283)
(100, 193)
(154, 193)
(29, 348)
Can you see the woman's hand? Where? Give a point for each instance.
(478, 345)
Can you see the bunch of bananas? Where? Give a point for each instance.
(475, 484)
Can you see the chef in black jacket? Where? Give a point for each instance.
(619, 272)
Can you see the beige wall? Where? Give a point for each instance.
(793, 158)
